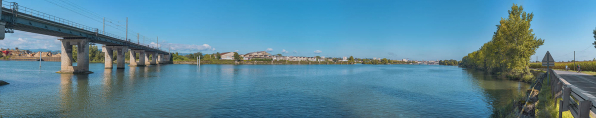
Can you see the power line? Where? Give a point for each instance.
(74, 11)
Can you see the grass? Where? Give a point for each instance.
(546, 104)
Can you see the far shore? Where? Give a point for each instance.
(244, 62)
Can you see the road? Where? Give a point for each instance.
(582, 81)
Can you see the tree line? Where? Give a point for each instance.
(450, 62)
(508, 53)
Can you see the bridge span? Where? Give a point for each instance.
(16, 17)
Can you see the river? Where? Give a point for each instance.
(251, 91)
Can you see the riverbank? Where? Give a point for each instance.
(232, 62)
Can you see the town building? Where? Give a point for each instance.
(227, 56)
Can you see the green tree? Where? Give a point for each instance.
(217, 56)
(510, 49)
(351, 60)
(237, 57)
(384, 61)
(279, 55)
(74, 53)
(594, 32)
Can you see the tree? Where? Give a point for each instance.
(194, 55)
(207, 57)
(351, 60)
(510, 49)
(594, 32)
(278, 55)
(237, 57)
(217, 56)
(384, 61)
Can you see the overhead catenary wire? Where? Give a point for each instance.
(70, 6)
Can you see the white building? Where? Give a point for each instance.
(227, 56)
(404, 60)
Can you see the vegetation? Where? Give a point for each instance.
(584, 65)
(237, 57)
(450, 62)
(194, 55)
(351, 60)
(508, 53)
(94, 54)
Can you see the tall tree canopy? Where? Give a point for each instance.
(509, 51)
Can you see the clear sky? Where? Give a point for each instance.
(419, 30)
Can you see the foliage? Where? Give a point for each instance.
(584, 65)
(594, 32)
(237, 57)
(384, 61)
(450, 62)
(509, 51)
(194, 55)
(217, 55)
(94, 54)
(177, 57)
(278, 54)
(351, 60)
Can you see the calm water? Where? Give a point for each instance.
(250, 91)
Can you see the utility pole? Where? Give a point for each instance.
(127, 28)
(137, 38)
(104, 26)
(574, 66)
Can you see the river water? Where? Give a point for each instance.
(251, 91)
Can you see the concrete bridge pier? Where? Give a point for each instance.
(2, 28)
(108, 52)
(150, 61)
(159, 59)
(153, 58)
(109, 56)
(120, 58)
(82, 56)
(133, 58)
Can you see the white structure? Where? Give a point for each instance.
(227, 56)
(344, 59)
(404, 60)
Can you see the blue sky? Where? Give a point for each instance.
(419, 30)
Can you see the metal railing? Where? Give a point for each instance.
(580, 103)
(18, 9)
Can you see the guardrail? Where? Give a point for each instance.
(577, 101)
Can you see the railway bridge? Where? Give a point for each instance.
(16, 17)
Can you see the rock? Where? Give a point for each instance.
(3, 83)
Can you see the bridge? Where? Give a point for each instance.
(16, 17)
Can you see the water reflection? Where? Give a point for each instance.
(74, 99)
(498, 91)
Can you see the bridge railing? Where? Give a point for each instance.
(580, 103)
(16, 9)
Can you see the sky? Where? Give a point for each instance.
(393, 29)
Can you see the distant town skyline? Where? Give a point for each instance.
(417, 30)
